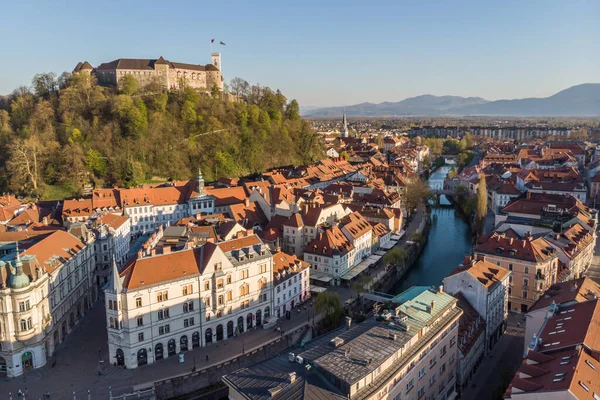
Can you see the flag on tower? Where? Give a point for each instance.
(223, 43)
(212, 41)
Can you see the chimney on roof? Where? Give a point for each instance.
(239, 234)
(292, 377)
(153, 251)
(432, 305)
(249, 232)
(166, 249)
(348, 323)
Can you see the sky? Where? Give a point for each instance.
(323, 53)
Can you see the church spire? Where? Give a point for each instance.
(200, 183)
(344, 128)
(116, 279)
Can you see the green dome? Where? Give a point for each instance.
(19, 280)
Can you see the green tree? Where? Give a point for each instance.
(417, 193)
(128, 84)
(292, 111)
(396, 256)
(329, 303)
(481, 209)
(362, 285)
(345, 155)
(95, 162)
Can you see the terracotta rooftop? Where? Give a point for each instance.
(485, 272)
(330, 242)
(149, 271)
(113, 220)
(527, 249)
(286, 265)
(575, 291)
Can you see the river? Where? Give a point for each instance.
(449, 241)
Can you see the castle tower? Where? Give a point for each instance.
(344, 128)
(216, 60)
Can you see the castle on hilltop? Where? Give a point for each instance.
(170, 74)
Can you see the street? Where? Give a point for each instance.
(500, 364)
(77, 364)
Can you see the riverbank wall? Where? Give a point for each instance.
(413, 249)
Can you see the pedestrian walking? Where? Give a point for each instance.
(207, 358)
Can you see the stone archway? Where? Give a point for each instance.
(195, 340)
(208, 336)
(142, 357)
(219, 332)
(158, 352)
(120, 356)
(249, 319)
(240, 324)
(172, 347)
(183, 343)
(27, 361)
(258, 318)
(230, 329)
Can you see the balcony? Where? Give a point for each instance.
(25, 335)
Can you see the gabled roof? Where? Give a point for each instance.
(488, 274)
(575, 291)
(527, 249)
(152, 270)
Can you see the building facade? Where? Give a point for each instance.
(485, 286)
(162, 305)
(44, 291)
(291, 282)
(168, 74)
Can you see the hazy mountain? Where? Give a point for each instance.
(420, 105)
(581, 100)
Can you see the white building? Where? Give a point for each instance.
(360, 233)
(112, 238)
(162, 305)
(485, 286)
(291, 282)
(44, 291)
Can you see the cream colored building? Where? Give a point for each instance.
(162, 305)
(44, 291)
(532, 261)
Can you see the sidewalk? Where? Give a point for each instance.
(77, 364)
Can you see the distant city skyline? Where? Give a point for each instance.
(333, 54)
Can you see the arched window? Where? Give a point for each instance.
(262, 283)
(112, 322)
(110, 305)
(220, 300)
(220, 283)
(207, 302)
(229, 295)
(193, 76)
(228, 279)
(244, 289)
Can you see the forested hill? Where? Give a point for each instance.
(63, 133)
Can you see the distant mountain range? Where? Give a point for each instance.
(577, 101)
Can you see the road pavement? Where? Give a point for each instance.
(77, 363)
(501, 363)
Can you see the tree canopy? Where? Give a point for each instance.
(68, 131)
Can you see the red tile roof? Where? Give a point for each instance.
(527, 249)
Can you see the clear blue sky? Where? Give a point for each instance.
(322, 52)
